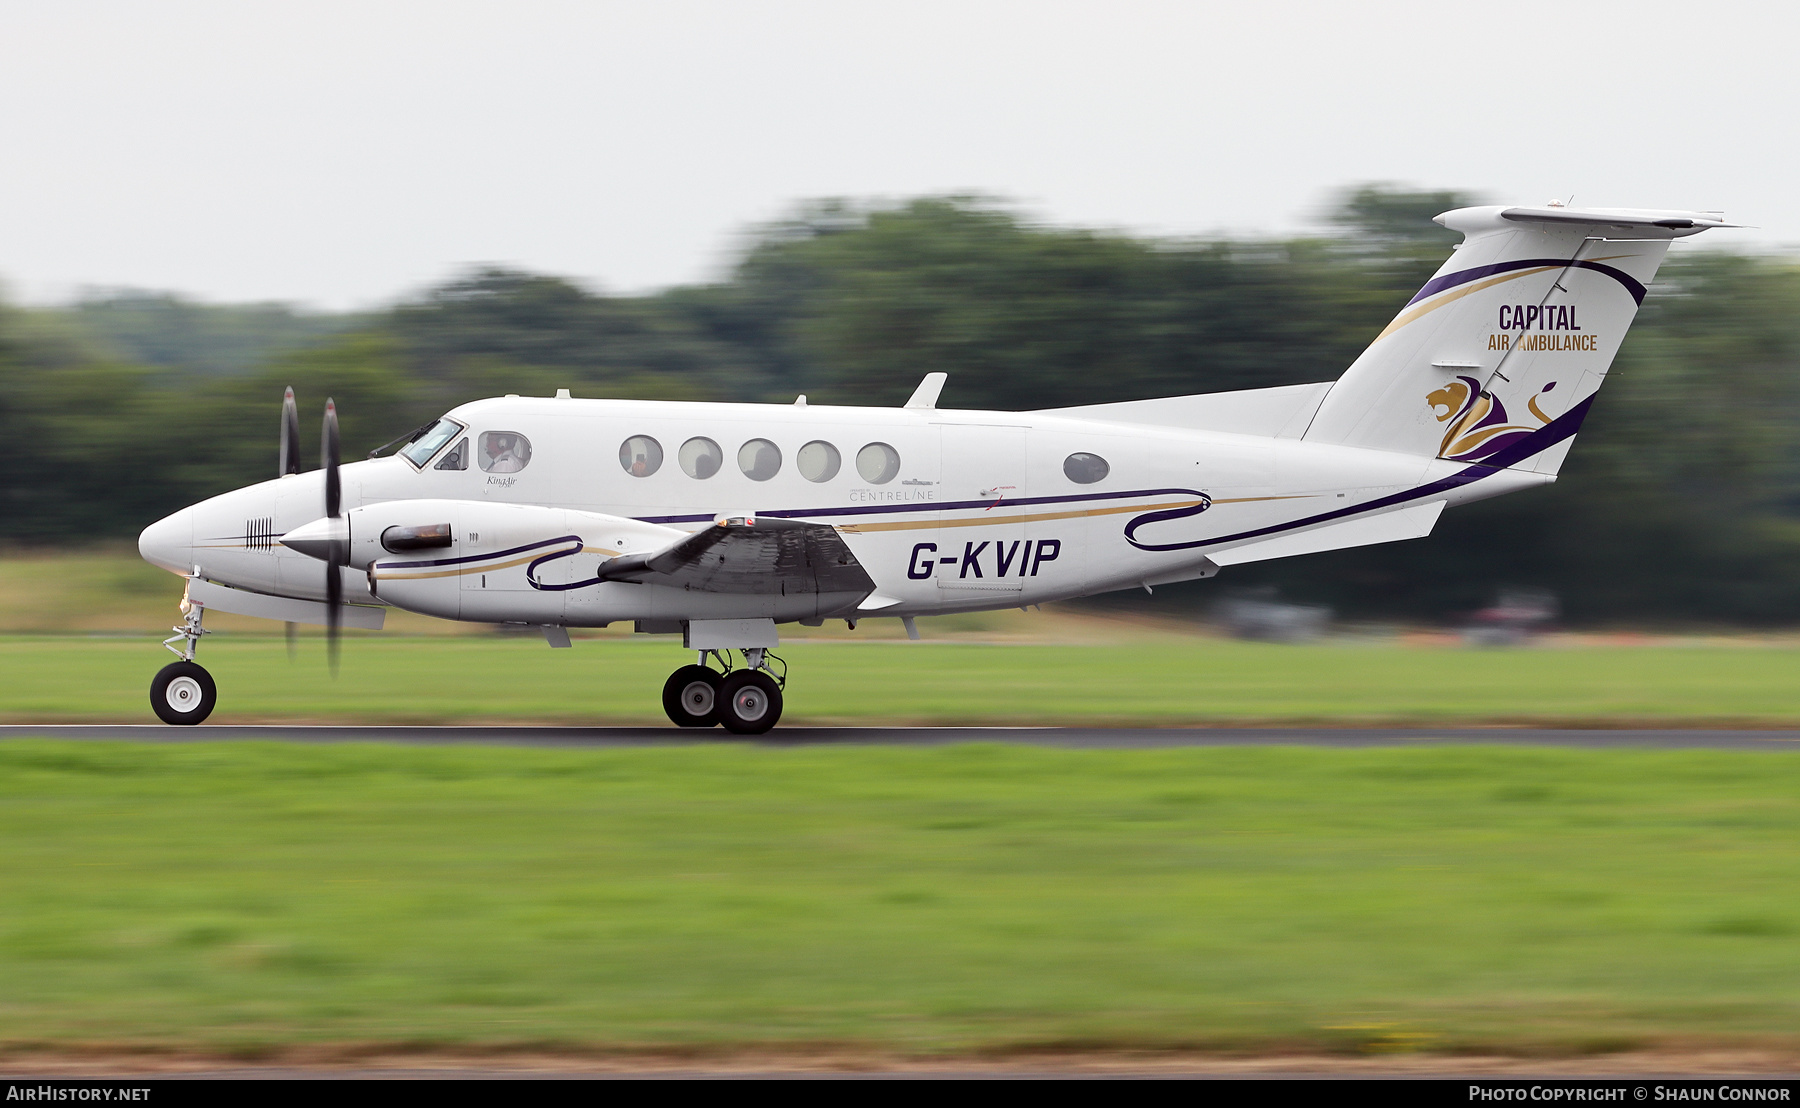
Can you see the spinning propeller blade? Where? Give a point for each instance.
(334, 563)
(328, 459)
(290, 435)
(289, 464)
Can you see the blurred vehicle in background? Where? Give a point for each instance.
(1513, 618)
(1259, 614)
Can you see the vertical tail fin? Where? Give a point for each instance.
(1497, 358)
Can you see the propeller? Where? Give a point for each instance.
(326, 539)
(289, 465)
(290, 435)
(339, 552)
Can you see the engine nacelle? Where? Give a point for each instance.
(469, 560)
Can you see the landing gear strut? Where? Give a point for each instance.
(183, 693)
(745, 701)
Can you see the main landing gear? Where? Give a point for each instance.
(744, 701)
(183, 693)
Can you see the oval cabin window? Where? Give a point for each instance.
(1085, 469)
(818, 461)
(640, 455)
(504, 451)
(760, 459)
(701, 458)
(878, 463)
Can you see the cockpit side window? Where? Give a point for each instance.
(420, 450)
(457, 457)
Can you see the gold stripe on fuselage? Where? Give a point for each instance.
(1039, 517)
(897, 525)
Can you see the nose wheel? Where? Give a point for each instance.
(183, 693)
(745, 701)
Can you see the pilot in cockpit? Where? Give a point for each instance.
(504, 452)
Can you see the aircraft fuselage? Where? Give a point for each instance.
(981, 511)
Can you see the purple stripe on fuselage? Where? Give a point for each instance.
(434, 563)
(1451, 280)
(1562, 427)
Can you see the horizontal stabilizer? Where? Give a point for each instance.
(1623, 222)
(1407, 523)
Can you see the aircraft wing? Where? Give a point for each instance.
(781, 556)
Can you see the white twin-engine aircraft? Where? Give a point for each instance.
(720, 521)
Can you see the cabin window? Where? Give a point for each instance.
(420, 450)
(878, 463)
(760, 459)
(818, 461)
(701, 458)
(1085, 469)
(504, 451)
(457, 458)
(640, 455)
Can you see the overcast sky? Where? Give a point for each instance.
(343, 154)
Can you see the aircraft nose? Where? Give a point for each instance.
(169, 542)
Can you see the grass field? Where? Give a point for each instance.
(1062, 666)
(1163, 681)
(916, 899)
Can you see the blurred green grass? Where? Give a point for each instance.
(961, 897)
(1170, 681)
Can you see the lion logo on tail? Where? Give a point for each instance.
(1479, 426)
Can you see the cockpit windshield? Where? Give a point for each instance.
(420, 450)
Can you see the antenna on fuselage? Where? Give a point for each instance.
(926, 395)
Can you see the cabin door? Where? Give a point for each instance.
(981, 540)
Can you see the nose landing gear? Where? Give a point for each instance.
(744, 701)
(183, 693)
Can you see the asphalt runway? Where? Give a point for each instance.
(1104, 738)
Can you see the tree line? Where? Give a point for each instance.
(1680, 501)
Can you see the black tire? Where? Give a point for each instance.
(749, 702)
(183, 694)
(686, 702)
